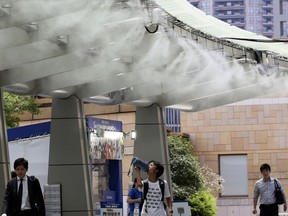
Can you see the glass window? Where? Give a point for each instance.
(258, 19)
(173, 121)
(234, 170)
(251, 19)
(258, 29)
(258, 11)
(283, 28)
(281, 6)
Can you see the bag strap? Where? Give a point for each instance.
(145, 189)
(162, 187)
(276, 184)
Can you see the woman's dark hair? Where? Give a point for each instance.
(134, 183)
(265, 166)
(159, 168)
(19, 162)
(13, 174)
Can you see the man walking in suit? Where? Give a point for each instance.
(23, 195)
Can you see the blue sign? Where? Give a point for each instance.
(104, 124)
(109, 196)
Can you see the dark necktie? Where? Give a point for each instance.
(19, 196)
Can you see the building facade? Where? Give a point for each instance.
(234, 140)
(265, 17)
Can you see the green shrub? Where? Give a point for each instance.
(203, 204)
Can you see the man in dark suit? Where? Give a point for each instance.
(23, 195)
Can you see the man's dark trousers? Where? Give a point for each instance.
(269, 210)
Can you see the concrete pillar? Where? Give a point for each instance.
(4, 156)
(151, 142)
(68, 157)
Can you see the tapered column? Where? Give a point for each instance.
(4, 156)
(68, 157)
(151, 142)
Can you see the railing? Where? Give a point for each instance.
(230, 7)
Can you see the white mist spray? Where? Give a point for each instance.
(115, 30)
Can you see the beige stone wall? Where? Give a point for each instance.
(257, 129)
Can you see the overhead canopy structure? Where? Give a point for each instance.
(142, 52)
(137, 52)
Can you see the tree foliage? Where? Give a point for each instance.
(15, 105)
(185, 170)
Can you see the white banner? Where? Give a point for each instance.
(36, 151)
